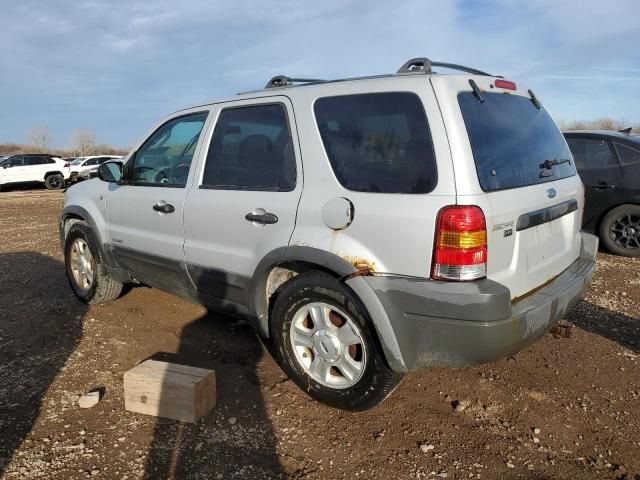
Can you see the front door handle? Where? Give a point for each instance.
(260, 215)
(163, 207)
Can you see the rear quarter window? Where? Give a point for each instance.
(510, 139)
(378, 142)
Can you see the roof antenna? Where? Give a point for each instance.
(626, 131)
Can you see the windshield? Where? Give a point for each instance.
(514, 143)
(78, 161)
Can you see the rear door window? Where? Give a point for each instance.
(251, 149)
(628, 156)
(596, 161)
(630, 159)
(511, 139)
(589, 154)
(378, 142)
(32, 161)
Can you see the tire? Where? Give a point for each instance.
(620, 230)
(55, 181)
(102, 288)
(373, 380)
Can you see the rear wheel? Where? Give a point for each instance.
(620, 230)
(55, 181)
(87, 275)
(325, 343)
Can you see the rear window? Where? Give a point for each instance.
(628, 156)
(378, 142)
(511, 139)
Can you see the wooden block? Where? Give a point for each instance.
(170, 390)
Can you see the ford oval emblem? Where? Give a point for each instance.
(551, 193)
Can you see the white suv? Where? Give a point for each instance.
(367, 226)
(47, 169)
(83, 167)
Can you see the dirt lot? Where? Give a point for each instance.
(564, 408)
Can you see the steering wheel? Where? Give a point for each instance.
(163, 175)
(139, 173)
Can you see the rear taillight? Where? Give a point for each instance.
(67, 165)
(460, 251)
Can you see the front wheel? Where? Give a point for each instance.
(620, 230)
(325, 343)
(88, 277)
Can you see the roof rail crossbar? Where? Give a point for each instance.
(424, 65)
(284, 81)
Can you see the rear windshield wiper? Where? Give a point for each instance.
(547, 165)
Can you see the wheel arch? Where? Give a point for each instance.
(296, 259)
(73, 214)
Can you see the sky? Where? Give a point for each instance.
(117, 67)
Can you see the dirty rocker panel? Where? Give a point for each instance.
(216, 289)
(218, 283)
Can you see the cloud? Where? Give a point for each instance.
(117, 67)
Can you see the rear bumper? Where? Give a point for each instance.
(421, 322)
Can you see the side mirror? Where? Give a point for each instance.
(110, 172)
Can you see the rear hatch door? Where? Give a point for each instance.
(512, 160)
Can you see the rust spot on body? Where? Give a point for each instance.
(360, 263)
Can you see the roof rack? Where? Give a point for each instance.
(418, 65)
(284, 81)
(423, 65)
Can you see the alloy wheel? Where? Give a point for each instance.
(81, 263)
(328, 345)
(625, 231)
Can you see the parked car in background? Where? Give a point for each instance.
(34, 168)
(609, 164)
(82, 166)
(432, 223)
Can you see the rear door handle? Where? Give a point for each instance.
(261, 216)
(164, 207)
(604, 186)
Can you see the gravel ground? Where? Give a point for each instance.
(564, 408)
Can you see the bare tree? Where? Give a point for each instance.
(599, 124)
(83, 141)
(39, 137)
